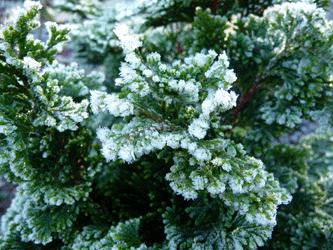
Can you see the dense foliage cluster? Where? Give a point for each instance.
(171, 141)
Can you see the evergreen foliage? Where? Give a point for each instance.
(173, 146)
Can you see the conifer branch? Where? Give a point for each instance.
(166, 168)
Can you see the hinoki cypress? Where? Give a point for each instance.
(171, 141)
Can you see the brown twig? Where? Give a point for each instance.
(214, 6)
(247, 96)
(179, 48)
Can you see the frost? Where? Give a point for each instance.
(147, 73)
(32, 64)
(199, 182)
(198, 128)
(28, 4)
(156, 79)
(128, 41)
(227, 167)
(202, 154)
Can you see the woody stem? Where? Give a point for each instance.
(214, 6)
(247, 96)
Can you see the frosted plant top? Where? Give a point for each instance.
(128, 40)
(165, 105)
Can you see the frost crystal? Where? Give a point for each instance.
(28, 4)
(198, 128)
(128, 41)
(32, 64)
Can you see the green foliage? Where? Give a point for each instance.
(93, 40)
(306, 223)
(123, 236)
(83, 7)
(164, 155)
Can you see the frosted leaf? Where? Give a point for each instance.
(237, 185)
(189, 194)
(49, 26)
(121, 30)
(216, 188)
(128, 41)
(156, 79)
(208, 106)
(227, 167)
(153, 57)
(97, 101)
(28, 4)
(217, 161)
(32, 64)
(230, 76)
(198, 128)
(231, 150)
(173, 140)
(126, 153)
(147, 73)
(121, 108)
(158, 142)
(133, 59)
(202, 154)
(104, 134)
(162, 67)
(50, 121)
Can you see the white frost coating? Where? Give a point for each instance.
(126, 153)
(50, 121)
(237, 185)
(32, 4)
(119, 107)
(217, 161)
(223, 57)
(147, 73)
(28, 5)
(223, 100)
(199, 182)
(7, 128)
(218, 188)
(294, 8)
(202, 154)
(133, 59)
(219, 69)
(30, 63)
(156, 79)
(193, 170)
(16, 14)
(173, 140)
(227, 167)
(162, 67)
(128, 73)
(119, 81)
(198, 128)
(189, 90)
(49, 25)
(128, 41)
(201, 59)
(100, 101)
(230, 76)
